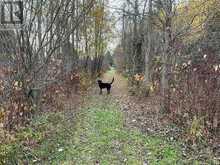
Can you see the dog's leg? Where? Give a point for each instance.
(100, 91)
(108, 91)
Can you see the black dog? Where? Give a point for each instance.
(105, 85)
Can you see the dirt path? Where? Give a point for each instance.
(120, 86)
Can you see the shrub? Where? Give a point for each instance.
(195, 92)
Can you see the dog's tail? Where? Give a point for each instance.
(112, 80)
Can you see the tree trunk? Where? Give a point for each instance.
(166, 59)
(149, 39)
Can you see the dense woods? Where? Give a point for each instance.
(175, 47)
(168, 50)
(58, 39)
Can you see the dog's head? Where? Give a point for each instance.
(99, 81)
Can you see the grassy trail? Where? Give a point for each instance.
(102, 138)
(95, 135)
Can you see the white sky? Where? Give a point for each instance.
(115, 4)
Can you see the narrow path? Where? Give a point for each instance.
(120, 86)
(102, 138)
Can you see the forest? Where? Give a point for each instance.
(109, 82)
